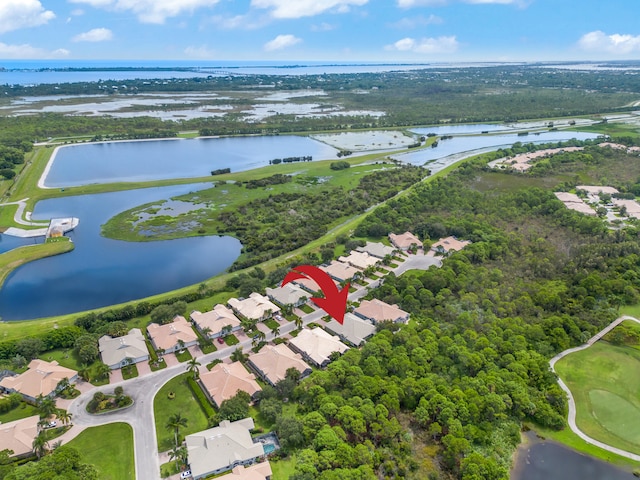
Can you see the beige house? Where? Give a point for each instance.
(167, 337)
(378, 311)
(256, 307)
(215, 320)
(41, 378)
(19, 435)
(405, 240)
(225, 380)
(340, 271)
(354, 330)
(360, 260)
(447, 245)
(222, 448)
(288, 294)
(273, 361)
(316, 346)
(259, 471)
(121, 351)
(376, 249)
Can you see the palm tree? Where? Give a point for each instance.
(40, 445)
(206, 331)
(175, 422)
(275, 330)
(179, 454)
(85, 374)
(46, 406)
(298, 322)
(102, 370)
(63, 385)
(64, 416)
(180, 344)
(238, 356)
(192, 366)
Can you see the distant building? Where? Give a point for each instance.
(444, 246)
(259, 471)
(405, 240)
(215, 320)
(225, 380)
(340, 271)
(19, 436)
(360, 260)
(120, 351)
(288, 294)
(376, 249)
(167, 337)
(378, 311)
(273, 361)
(41, 378)
(316, 346)
(353, 331)
(256, 307)
(222, 448)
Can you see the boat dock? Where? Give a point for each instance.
(57, 228)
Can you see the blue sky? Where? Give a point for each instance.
(321, 30)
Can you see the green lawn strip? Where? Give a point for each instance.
(130, 371)
(271, 323)
(184, 356)
(7, 212)
(12, 259)
(283, 469)
(184, 403)
(168, 469)
(205, 404)
(606, 389)
(306, 308)
(109, 448)
(23, 410)
(570, 439)
(231, 339)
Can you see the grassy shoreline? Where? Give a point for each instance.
(12, 259)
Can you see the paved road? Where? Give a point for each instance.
(572, 403)
(143, 389)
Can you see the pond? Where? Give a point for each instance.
(107, 162)
(101, 271)
(552, 461)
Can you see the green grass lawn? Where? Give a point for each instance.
(184, 403)
(271, 323)
(23, 410)
(184, 356)
(67, 357)
(306, 308)
(283, 469)
(231, 339)
(604, 382)
(130, 371)
(109, 448)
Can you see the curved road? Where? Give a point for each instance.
(571, 401)
(143, 389)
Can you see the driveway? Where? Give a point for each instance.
(170, 359)
(143, 368)
(116, 376)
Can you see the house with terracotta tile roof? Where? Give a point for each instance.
(222, 448)
(378, 311)
(272, 362)
(121, 351)
(19, 435)
(316, 346)
(353, 331)
(259, 471)
(41, 378)
(168, 337)
(256, 307)
(377, 249)
(340, 271)
(360, 260)
(225, 380)
(404, 241)
(288, 294)
(444, 246)
(215, 320)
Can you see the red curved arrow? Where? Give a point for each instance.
(334, 301)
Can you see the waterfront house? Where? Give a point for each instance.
(256, 307)
(119, 352)
(41, 378)
(288, 294)
(216, 320)
(173, 336)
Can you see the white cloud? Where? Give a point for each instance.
(322, 27)
(16, 14)
(95, 35)
(306, 8)
(238, 22)
(199, 52)
(280, 42)
(421, 3)
(417, 21)
(618, 44)
(77, 12)
(26, 51)
(151, 11)
(425, 45)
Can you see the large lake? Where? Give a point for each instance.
(179, 158)
(101, 271)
